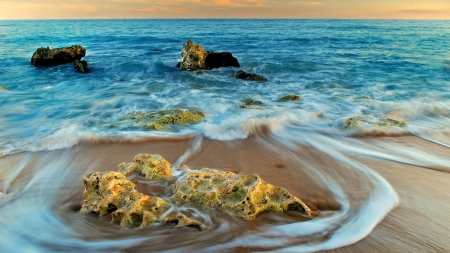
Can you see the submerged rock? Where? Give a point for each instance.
(357, 121)
(195, 58)
(47, 57)
(243, 195)
(248, 103)
(81, 66)
(290, 98)
(111, 193)
(149, 166)
(249, 76)
(163, 118)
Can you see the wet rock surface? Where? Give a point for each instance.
(110, 193)
(290, 98)
(249, 76)
(194, 57)
(49, 57)
(81, 66)
(245, 196)
(163, 119)
(250, 103)
(361, 121)
(242, 195)
(149, 166)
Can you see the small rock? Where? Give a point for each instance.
(162, 119)
(249, 76)
(242, 195)
(248, 103)
(48, 57)
(359, 121)
(81, 66)
(290, 98)
(149, 166)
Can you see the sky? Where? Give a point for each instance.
(91, 9)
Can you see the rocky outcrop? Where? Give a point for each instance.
(81, 66)
(193, 57)
(250, 103)
(249, 76)
(290, 98)
(246, 196)
(360, 121)
(110, 193)
(243, 195)
(164, 118)
(48, 57)
(149, 166)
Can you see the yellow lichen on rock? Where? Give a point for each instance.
(357, 121)
(150, 166)
(242, 195)
(111, 193)
(193, 56)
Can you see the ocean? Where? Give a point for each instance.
(392, 77)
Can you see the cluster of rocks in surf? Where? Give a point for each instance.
(246, 196)
(45, 56)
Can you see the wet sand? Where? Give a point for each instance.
(419, 224)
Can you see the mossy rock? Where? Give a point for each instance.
(81, 66)
(242, 195)
(111, 193)
(161, 120)
(4, 88)
(358, 121)
(150, 166)
(290, 98)
(248, 103)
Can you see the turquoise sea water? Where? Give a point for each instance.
(340, 68)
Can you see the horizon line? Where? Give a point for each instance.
(180, 18)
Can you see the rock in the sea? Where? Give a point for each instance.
(47, 57)
(248, 103)
(81, 66)
(242, 195)
(290, 98)
(358, 121)
(220, 59)
(195, 58)
(150, 166)
(164, 118)
(249, 76)
(111, 193)
(4, 88)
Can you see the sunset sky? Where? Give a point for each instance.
(67, 9)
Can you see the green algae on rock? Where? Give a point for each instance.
(248, 103)
(48, 57)
(354, 122)
(290, 98)
(242, 195)
(161, 119)
(111, 193)
(150, 166)
(81, 66)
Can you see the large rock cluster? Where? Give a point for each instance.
(195, 58)
(110, 193)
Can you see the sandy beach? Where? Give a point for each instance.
(419, 224)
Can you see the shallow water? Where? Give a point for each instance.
(58, 125)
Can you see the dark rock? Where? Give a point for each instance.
(290, 98)
(195, 58)
(249, 76)
(81, 66)
(220, 59)
(48, 57)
